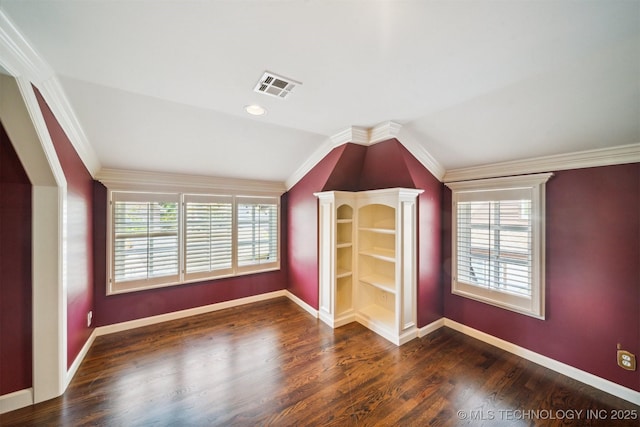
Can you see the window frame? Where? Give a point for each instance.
(149, 282)
(492, 190)
(258, 266)
(183, 277)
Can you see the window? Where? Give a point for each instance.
(145, 239)
(208, 236)
(498, 242)
(163, 239)
(257, 232)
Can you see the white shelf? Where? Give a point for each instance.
(340, 273)
(378, 230)
(378, 315)
(380, 253)
(343, 311)
(363, 246)
(379, 281)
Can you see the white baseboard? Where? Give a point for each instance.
(71, 372)
(152, 320)
(433, 326)
(312, 311)
(575, 373)
(16, 400)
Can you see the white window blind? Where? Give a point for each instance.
(208, 235)
(145, 239)
(164, 239)
(257, 239)
(494, 245)
(498, 241)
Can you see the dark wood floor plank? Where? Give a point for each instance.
(270, 363)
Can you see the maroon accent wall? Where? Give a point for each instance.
(430, 307)
(385, 167)
(79, 234)
(347, 170)
(302, 210)
(136, 305)
(15, 271)
(592, 275)
(353, 167)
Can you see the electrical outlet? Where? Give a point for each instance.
(626, 360)
(89, 318)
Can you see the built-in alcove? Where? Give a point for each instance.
(367, 260)
(15, 271)
(24, 125)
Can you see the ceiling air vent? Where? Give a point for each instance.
(274, 85)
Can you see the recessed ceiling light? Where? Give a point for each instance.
(254, 110)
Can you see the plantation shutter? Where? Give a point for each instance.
(145, 239)
(257, 238)
(208, 236)
(494, 240)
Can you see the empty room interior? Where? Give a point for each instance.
(295, 212)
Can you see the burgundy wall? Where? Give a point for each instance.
(347, 170)
(79, 234)
(15, 271)
(302, 210)
(385, 167)
(592, 275)
(135, 305)
(353, 167)
(430, 307)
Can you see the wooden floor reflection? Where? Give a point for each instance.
(271, 363)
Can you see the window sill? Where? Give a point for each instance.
(504, 300)
(124, 289)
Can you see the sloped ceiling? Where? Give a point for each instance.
(161, 85)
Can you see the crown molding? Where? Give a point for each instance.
(383, 132)
(128, 180)
(367, 136)
(315, 158)
(418, 151)
(341, 137)
(362, 136)
(579, 160)
(353, 134)
(57, 100)
(19, 58)
(502, 182)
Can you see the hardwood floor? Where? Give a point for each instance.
(270, 363)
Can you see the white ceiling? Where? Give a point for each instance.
(161, 85)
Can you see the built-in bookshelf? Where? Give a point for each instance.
(336, 257)
(344, 261)
(368, 260)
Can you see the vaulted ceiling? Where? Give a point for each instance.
(162, 85)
